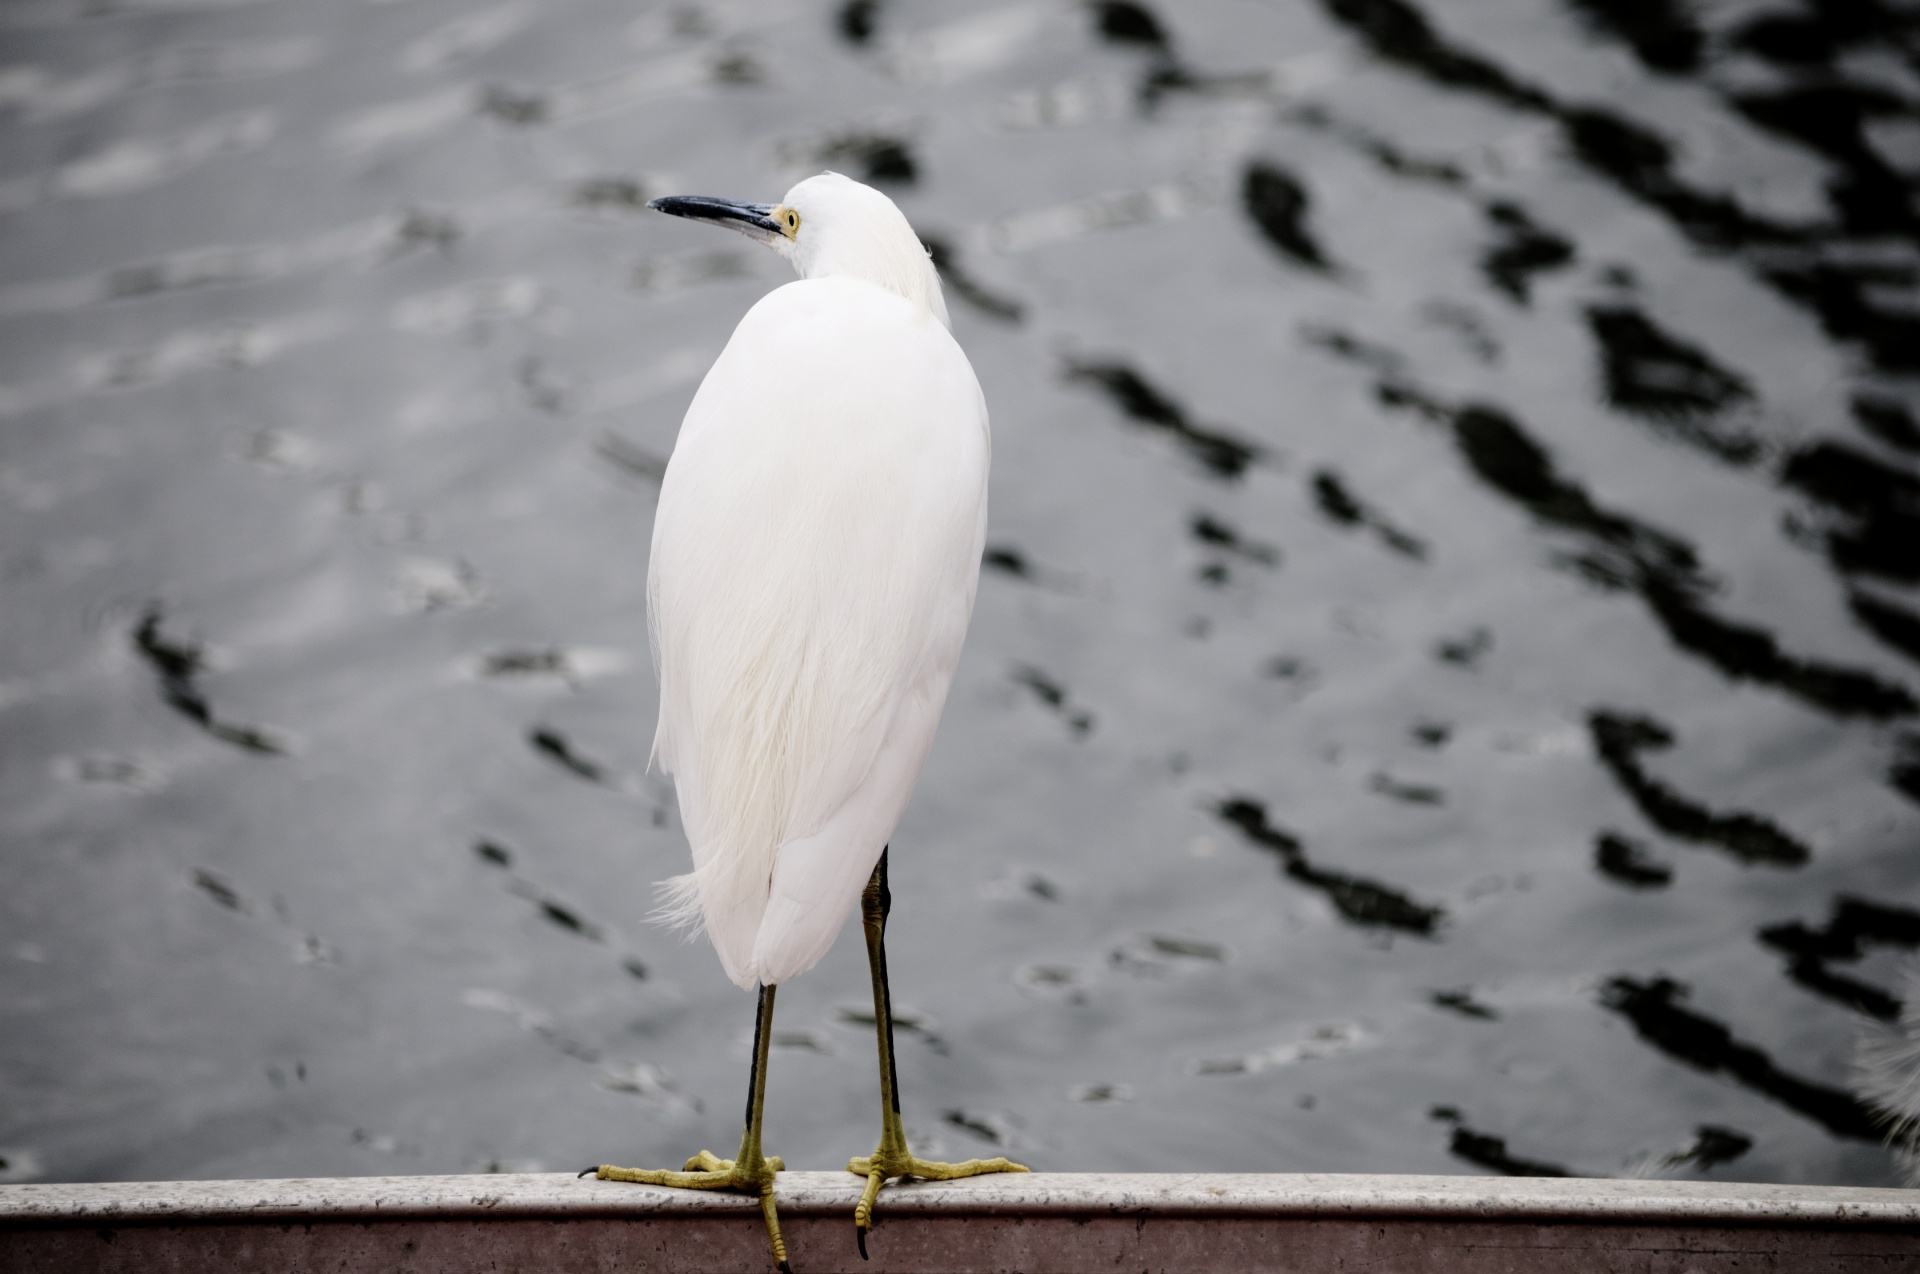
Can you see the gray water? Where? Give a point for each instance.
(1443, 691)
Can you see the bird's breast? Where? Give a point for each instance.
(814, 558)
(834, 402)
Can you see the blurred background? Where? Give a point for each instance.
(1445, 689)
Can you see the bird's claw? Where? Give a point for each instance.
(881, 1167)
(705, 1171)
(708, 1171)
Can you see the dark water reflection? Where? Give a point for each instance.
(1443, 694)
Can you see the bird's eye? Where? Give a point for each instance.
(793, 221)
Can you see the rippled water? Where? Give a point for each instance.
(1444, 689)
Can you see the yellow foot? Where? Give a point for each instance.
(708, 1171)
(882, 1167)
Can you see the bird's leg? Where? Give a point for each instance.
(892, 1158)
(748, 1170)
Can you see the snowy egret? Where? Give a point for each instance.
(815, 556)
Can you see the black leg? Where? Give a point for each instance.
(892, 1158)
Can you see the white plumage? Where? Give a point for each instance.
(815, 557)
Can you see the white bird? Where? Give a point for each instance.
(815, 556)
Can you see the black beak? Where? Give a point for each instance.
(755, 220)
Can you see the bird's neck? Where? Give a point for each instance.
(897, 263)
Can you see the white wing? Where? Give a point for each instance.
(814, 561)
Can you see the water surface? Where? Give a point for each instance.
(1445, 690)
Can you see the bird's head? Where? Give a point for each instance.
(829, 226)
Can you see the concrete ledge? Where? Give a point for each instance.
(1065, 1222)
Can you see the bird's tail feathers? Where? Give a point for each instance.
(701, 901)
(679, 910)
(1887, 1075)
